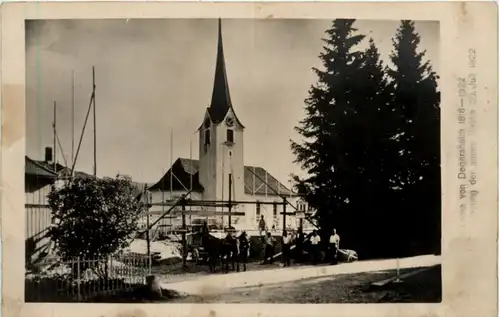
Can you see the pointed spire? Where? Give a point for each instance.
(221, 100)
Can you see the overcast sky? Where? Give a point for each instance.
(154, 76)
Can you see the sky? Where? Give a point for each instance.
(155, 77)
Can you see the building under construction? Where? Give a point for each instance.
(228, 192)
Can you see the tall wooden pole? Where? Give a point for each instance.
(253, 181)
(230, 197)
(163, 196)
(191, 164)
(95, 133)
(190, 173)
(184, 247)
(54, 127)
(266, 184)
(223, 178)
(284, 214)
(83, 131)
(171, 161)
(72, 117)
(148, 238)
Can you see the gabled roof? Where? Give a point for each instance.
(33, 168)
(183, 171)
(61, 170)
(50, 166)
(183, 168)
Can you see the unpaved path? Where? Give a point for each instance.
(212, 286)
(423, 287)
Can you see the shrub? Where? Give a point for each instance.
(93, 218)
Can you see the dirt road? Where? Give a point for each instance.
(344, 288)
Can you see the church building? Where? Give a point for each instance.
(221, 165)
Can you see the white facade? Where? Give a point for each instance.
(219, 157)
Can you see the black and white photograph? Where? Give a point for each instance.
(233, 160)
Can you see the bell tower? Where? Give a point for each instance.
(221, 139)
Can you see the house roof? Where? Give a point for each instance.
(45, 169)
(50, 166)
(60, 169)
(33, 168)
(254, 185)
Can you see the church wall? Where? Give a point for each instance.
(208, 164)
(227, 164)
(252, 217)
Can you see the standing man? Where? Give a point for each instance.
(269, 248)
(315, 240)
(262, 225)
(243, 249)
(299, 245)
(285, 249)
(334, 246)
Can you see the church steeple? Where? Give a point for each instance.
(221, 99)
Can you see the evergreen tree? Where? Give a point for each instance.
(371, 157)
(416, 171)
(329, 110)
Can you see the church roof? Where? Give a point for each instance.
(260, 187)
(183, 168)
(221, 98)
(182, 173)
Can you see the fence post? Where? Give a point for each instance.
(148, 237)
(78, 278)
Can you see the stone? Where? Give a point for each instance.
(154, 286)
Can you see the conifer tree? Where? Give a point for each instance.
(371, 128)
(416, 174)
(329, 110)
(371, 158)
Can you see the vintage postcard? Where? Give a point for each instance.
(180, 158)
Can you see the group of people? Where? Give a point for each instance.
(235, 249)
(230, 250)
(332, 250)
(299, 239)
